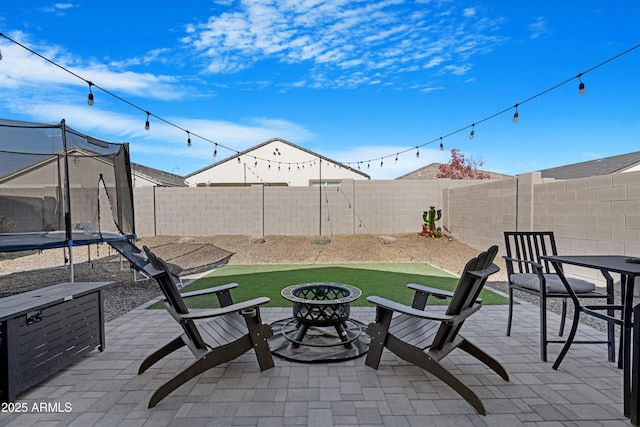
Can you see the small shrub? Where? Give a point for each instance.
(320, 240)
(387, 240)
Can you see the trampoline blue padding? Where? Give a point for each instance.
(12, 242)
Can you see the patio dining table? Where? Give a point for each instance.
(628, 268)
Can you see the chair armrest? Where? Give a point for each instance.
(537, 267)
(214, 312)
(207, 291)
(401, 308)
(486, 272)
(436, 293)
(523, 261)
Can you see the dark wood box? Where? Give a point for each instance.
(45, 330)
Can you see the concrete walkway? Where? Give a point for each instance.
(105, 390)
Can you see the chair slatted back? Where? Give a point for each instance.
(465, 295)
(529, 246)
(173, 300)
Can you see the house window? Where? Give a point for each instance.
(326, 183)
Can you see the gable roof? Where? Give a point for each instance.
(603, 166)
(431, 171)
(159, 177)
(235, 156)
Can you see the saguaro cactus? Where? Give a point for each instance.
(430, 217)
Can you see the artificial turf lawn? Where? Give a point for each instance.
(386, 280)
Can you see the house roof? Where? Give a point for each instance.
(239, 154)
(431, 170)
(159, 177)
(603, 166)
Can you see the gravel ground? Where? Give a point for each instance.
(20, 272)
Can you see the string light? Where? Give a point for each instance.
(188, 139)
(90, 97)
(441, 145)
(381, 161)
(215, 150)
(581, 89)
(473, 131)
(396, 157)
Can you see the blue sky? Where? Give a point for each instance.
(356, 81)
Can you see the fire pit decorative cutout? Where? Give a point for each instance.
(317, 307)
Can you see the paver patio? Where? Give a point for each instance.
(105, 390)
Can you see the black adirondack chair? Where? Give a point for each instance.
(526, 272)
(233, 329)
(423, 338)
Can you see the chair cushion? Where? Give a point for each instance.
(554, 284)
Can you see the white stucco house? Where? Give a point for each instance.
(274, 162)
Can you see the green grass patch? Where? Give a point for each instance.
(386, 280)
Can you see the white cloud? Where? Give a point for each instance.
(57, 9)
(29, 72)
(332, 38)
(539, 28)
(469, 12)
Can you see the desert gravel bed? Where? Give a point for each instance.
(20, 272)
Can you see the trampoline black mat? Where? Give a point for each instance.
(324, 344)
(11, 242)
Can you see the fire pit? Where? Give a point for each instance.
(321, 304)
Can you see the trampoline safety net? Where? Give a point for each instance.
(60, 188)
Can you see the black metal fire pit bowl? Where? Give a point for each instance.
(320, 329)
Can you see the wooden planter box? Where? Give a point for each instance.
(45, 330)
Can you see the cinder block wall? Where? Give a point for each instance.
(589, 215)
(354, 207)
(595, 215)
(478, 215)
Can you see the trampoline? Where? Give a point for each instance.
(60, 188)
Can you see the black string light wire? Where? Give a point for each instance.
(119, 98)
(581, 91)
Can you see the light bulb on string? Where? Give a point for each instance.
(0, 55)
(581, 89)
(146, 124)
(90, 97)
(238, 159)
(441, 145)
(188, 139)
(417, 152)
(381, 161)
(215, 150)
(473, 131)
(396, 158)
(515, 115)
